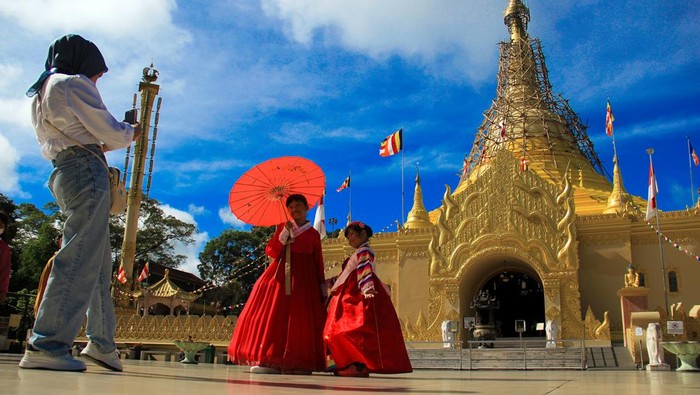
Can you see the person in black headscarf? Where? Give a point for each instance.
(73, 127)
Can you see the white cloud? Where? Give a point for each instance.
(196, 210)
(9, 158)
(148, 23)
(227, 217)
(455, 32)
(191, 251)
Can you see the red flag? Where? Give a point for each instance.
(693, 155)
(503, 130)
(523, 164)
(392, 144)
(145, 272)
(609, 118)
(121, 275)
(345, 184)
(653, 190)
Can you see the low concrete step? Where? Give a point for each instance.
(498, 358)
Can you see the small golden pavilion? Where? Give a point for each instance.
(534, 221)
(164, 298)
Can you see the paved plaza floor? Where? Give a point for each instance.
(173, 378)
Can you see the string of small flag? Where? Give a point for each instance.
(664, 237)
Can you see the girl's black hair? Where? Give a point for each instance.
(297, 197)
(358, 227)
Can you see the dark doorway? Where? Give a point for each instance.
(521, 298)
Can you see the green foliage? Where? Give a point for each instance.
(34, 233)
(156, 235)
(234, 255)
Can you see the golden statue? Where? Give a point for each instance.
(631, 277)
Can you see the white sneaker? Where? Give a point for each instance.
(109, 360)
(34, 359)
(264, 370)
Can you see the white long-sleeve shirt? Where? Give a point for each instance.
(73, 104)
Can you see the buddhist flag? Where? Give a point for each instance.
(121, 275)
(345, 184)
(523, 164)
(320, 218)
(693, 155)
(392, 144)
(609, 118)
(145, 272)
(653, 190)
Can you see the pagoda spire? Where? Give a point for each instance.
(516, 16)
(418, 216)
(618, 197)
(528, 119)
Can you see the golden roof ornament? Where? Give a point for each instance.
(150, 74)
(418, 217)
(617, 200)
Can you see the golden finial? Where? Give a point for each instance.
(150, 74)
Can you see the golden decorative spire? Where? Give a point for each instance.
(532, 122)
(418, 216)
(516, 16)
(618, 197)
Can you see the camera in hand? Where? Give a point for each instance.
(130, 116)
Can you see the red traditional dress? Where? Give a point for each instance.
(364, 330)
(283, 330)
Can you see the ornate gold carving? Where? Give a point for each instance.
(449, 202)
(437, 260)
(552, 313)
(567, 253)
(158, 329)
(417, 331)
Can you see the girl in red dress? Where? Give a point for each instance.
(363, 333)
(280, 327)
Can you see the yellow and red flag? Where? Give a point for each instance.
(609, 118)
(121, 275)
(693, 154)
(145, 272)
(392, 144)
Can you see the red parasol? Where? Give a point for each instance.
(258, 197)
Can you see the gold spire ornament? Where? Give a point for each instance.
(149, 91)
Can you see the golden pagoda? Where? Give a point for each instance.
(166, 296)
(534, 223)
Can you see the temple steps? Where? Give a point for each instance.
(504, 358)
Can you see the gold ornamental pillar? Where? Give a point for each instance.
(149, 91)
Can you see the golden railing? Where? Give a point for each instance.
(165, 329)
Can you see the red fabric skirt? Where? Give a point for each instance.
(365, 330)
(282, 331)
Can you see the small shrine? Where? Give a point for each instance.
(484, 304)
(164, 298)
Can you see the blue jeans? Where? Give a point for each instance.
(80, 278)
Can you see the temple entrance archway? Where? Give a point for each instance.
(521, 298)
(515, 285)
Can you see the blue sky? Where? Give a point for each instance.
(245, 81)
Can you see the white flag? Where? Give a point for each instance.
(320, 218)
(653, 190)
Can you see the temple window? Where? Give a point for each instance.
(672, 281)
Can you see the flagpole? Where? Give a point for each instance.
(650, 151)
(690, 167)
(403, 211)
(349, 198)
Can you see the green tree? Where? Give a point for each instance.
(156, 235)
(234, 260)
